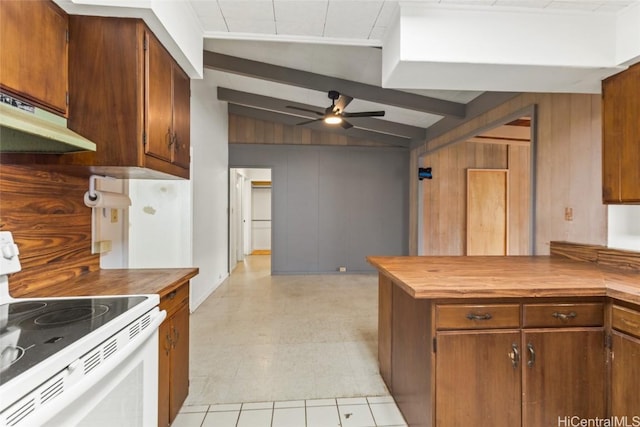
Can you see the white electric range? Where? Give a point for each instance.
(76, 361)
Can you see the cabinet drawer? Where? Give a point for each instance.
(626, 320)
(482, 316)
(561, 315)
(173, 300)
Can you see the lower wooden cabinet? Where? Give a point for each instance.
(506, 362)
(512, 377)
(564, 374)
(625, 364)
(476, 382)
(173, 366)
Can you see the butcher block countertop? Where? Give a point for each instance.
(443, 277)
(118, 282)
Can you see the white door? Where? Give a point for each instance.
(261, 217)
(236, 250)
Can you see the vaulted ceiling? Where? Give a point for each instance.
(265, 56)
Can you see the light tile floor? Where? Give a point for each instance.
(292, 344)
(263, 338)
(376, 411)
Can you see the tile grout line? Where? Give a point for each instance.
(304, 406)
(371, 412)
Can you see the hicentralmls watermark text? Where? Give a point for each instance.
(576, 421)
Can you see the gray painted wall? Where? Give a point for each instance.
(332, 206)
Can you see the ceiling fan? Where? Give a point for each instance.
(335, 114)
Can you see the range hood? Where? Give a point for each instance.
(27, 129)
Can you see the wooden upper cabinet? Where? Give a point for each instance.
(122, 98)
(621, 137)
(181, 117)
(33, 58)
(168, 106)
(159, 101)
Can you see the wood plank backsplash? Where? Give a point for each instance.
(50, 223)
(602, 255)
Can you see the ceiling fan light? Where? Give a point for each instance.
(333, 120)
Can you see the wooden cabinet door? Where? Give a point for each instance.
(181, 114)
(477, 381)
(158, 103)
(95, 89)
(625, 376)
(621, 137)
(33, 58)
(179, 360)
(563, 375)
(164, 369)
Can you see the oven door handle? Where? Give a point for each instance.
(49, 410)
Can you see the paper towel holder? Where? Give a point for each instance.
(92, 186)
(117, 200)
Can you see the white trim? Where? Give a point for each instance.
(223, 35)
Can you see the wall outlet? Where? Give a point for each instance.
(342, 269)
(568, 214)
(114, 215)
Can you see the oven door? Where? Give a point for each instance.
(122, 392)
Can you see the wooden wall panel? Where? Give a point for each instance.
(444, 196)
(247, 130)
(519, 200)
(568, 171)
(50, 223)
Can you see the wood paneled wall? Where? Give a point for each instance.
(247, 130)
(444, 197)
(50, 223)
(568, 160)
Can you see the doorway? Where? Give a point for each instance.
(249, 214)
(505, 150)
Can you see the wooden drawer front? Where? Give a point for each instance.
(626, 320)
(464, 316)
(173, 300)
(561, 315)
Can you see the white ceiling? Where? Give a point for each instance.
(361, 21)
(336, 38)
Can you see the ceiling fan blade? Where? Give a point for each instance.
(345, 124)
(364, 114)
(342, 103)
(308, 121)
(305, 109)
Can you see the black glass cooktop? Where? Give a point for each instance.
(31, 331)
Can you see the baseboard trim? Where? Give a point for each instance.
(194, 304)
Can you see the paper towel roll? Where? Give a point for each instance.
(107, 199)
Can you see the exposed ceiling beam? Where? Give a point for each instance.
(281, 106)
(289, 120)
(305, 79)
(483, 103)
